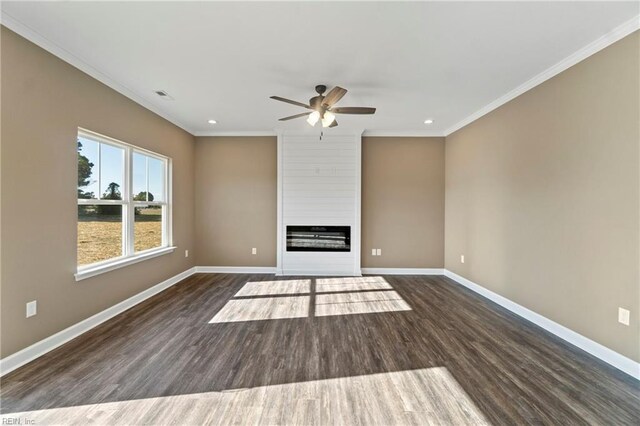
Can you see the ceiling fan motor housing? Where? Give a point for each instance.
(316, 103)
(322, 105)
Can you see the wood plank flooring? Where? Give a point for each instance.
(259, 349)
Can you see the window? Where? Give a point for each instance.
(123, 204)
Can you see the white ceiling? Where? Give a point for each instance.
(412, 61)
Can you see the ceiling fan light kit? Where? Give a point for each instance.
(323, 107)
(328, 119)
(313, 118)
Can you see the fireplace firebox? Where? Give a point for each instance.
(319, 238)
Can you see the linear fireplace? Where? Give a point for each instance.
(318, 238)
(319, 201)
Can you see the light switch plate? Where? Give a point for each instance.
(378, 252)
(32, 308)
(462, 258)
(373, 252)
(254, 251)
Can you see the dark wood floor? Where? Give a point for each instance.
(397, 349)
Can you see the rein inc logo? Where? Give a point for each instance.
(17, 421)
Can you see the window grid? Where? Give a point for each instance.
(128, 203)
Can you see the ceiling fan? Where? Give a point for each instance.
(322, 107)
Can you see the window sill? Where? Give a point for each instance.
(92, 271)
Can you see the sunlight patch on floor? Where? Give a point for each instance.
(267, 288)
(263, 308)
(333, 296)
(424, 396)
(324, 285)
(359, 303)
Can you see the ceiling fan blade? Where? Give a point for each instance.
(334, 124)
(334, 96)
(353, 110)
(289, 101)
(291, 117)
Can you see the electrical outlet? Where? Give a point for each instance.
(623, 316)
(254, 251)
(373, 252)
(462, 258)
(32, 308)
(378, 252)
(186, 253)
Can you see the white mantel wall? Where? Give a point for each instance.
(319, 183)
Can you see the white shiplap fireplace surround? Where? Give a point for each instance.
(319, 184)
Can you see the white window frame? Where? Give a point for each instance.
(129, 255)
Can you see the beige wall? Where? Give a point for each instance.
(236, 192)
(402, 199)
(542, 198)
(44, 100)
(403, 202)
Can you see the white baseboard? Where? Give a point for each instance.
(318, 273)
(607, 355)
(315, 272)
(40, 348)
(235, 269)
(403, 271)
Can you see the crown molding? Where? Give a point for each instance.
(237, 133)
(79, 63)
(402, 134)
(333, 133)
(606, 40)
